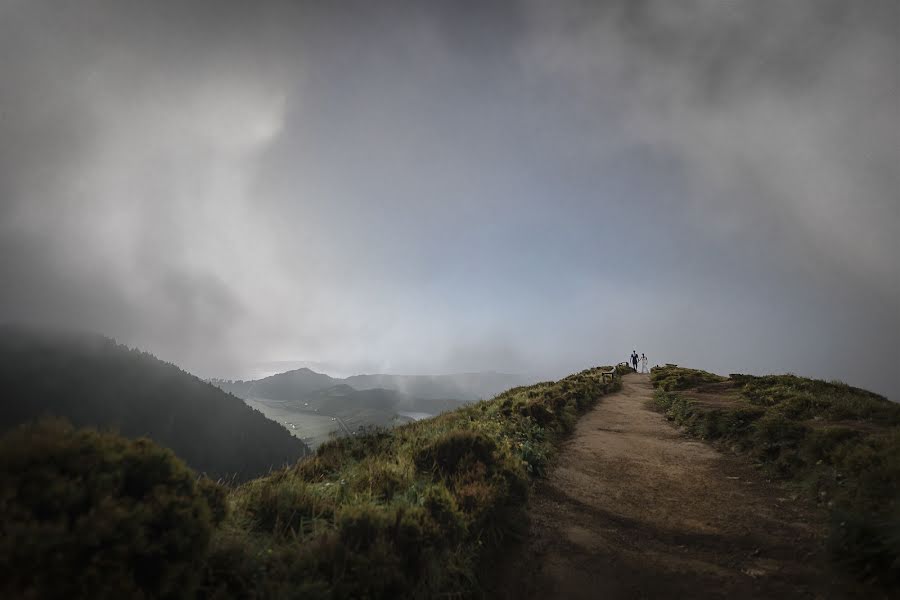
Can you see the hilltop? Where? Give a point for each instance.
(836, 445)
(768, 487)
(92, 381)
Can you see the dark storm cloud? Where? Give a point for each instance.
(414, 186)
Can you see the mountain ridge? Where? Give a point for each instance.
(468, 386)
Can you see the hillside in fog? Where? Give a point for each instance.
(92, 381)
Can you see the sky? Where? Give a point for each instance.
(437, 187)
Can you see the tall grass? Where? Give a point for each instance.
(410, 512)
(415, 512)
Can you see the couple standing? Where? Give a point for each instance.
(642, 359)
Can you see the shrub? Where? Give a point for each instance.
(442, 507)
(216, 496)
(379, 477)
(456, 451)
(672, 378)
(867, 544)
(823, 444)
(89, 514)
(282, 504)
(776, 440)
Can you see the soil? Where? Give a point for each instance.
(635, 509)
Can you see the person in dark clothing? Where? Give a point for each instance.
(634, 359)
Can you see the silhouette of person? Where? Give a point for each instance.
(634, 359)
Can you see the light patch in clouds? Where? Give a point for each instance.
(518, 186)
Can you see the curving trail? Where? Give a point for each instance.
(633, 509)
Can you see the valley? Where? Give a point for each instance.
(315, 407)
(309, 426)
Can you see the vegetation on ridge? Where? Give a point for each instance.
(839, 444)
(94, 515)
(417, 511)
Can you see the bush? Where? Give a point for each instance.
(868, 545)
(379, 477)
(822, 445)
(282, 504)
(776, 440)
(456, 451)
(89, 514)
(441, 505)
(672, 378)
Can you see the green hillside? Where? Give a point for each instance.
(93, 381)
(419, 511)
(838, 445)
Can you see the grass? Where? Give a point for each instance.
(416, 512)
(91, 514)
(672, 378)
(839, 444)
(419, 511)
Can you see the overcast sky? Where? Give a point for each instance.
(432, 187)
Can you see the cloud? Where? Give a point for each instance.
(429, 188)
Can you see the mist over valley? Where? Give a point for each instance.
(314, 406)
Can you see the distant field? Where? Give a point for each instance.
(313, 428)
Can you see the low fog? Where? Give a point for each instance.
(426, 187)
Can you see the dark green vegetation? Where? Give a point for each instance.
(418, 511)
(92, 381)
(673, 378)
(86, 514)
(839, 444)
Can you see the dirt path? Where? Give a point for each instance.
(633, 509)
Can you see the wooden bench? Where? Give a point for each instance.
(611, 374)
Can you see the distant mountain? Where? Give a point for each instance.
(300, 382)
(93, 381)
(290, 385)
(363, 400)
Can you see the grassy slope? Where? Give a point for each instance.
(412, 512)
(839, 444)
